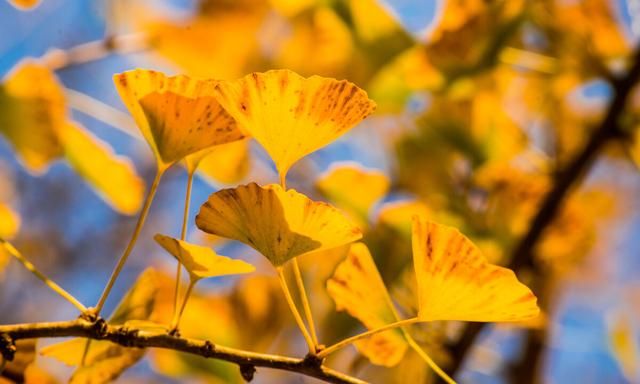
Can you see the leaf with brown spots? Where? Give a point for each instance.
(292, 116)
(202, 262)
(455, 281)
(356, 287)
(178, 116)
(279, 224)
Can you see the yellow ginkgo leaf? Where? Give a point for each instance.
(353, 188)
(357, 287)
(219, 41)
(105, 361)
(455, 281)
(113, 177)
(277, 223)
(226, 163)
(623, 343)
(9, 222)
(292, 116)
(202, 262)
(24, 4)
(32, 111)
(372, 21)
(320, 42)
(634, 147)
(178, 116)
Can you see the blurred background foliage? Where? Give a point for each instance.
(481, 105)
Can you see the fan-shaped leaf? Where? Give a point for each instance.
(292, 116)
(356, 287)
(178, 116)
(277, 223)
(455, 282)
(202, 262)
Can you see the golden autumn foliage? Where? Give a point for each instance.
(400, 177)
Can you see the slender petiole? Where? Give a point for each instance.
(432, 364)
(178, 315)
(48, 282)
(305, 302)
(183, 236)
(294, 311)
(132, 241)
(341, 344)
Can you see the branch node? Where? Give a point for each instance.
(208, 350)
(100, 328)
(7, 347)
(312, 360)
(247, 371)
(126, 336)
(90, 315)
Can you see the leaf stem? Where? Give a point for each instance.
(183, 236)
(48, 282)
(305, 301)
(132, 241)
(178, 315)
(294, 311)
(341, 344)
(432, 364)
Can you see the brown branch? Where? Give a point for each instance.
(522, 254)
(137, 338)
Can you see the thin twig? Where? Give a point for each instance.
(522, 254)
(57, 58)
(350, 340)
(9, 248)
(132, 242)
(138, 338)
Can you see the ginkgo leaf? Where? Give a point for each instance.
(32, 111)
(623, 343)
(219, 41)
(455, 282)
(105, 361)
(634, 147)
(9, 222)
(292, 116)
(178, 116)
(277, 223)
(357, 287)
(353, 188)
(226, 163)
(320, 42)
(24, 4)
(113, 177)
(202, 262)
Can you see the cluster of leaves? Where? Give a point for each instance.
(470, 163)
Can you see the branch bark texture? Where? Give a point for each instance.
(137, 338)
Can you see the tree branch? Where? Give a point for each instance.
(522, 254)
(138, 338)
